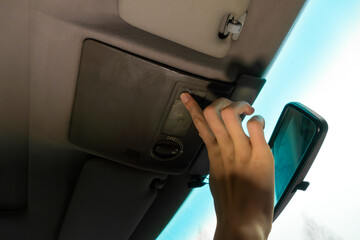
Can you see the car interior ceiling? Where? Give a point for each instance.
(91, 143)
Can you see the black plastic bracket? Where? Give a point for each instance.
(301, 186)
(197, 181)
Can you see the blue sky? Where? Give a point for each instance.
(317, 66)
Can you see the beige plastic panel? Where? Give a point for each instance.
(194, 24)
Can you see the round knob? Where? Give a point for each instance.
(166, 149)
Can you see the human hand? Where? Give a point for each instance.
(241, 168)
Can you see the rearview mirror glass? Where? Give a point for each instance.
(295, 142)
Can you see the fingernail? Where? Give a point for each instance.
(260, 119)
(184, 98)
(252, 109)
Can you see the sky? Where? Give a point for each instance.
(317, 66)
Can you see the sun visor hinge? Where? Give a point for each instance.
(231, 26)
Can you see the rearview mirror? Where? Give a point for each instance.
(295, 142)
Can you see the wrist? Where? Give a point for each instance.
(245, 229)
(243, 232)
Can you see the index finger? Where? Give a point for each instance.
(198, 118)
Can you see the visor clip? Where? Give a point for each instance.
(231, 26)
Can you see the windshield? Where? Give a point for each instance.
(317, 66)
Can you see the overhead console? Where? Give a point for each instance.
(127, 109)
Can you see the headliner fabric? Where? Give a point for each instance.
(14, 105)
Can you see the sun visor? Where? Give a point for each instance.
(108, 202)
(205, 26)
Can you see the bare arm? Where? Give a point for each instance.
(241, 168)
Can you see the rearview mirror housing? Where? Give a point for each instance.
(295, 142)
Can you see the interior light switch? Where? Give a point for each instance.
(199, 96)
(179, 120)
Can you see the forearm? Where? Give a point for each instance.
(246, 218)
